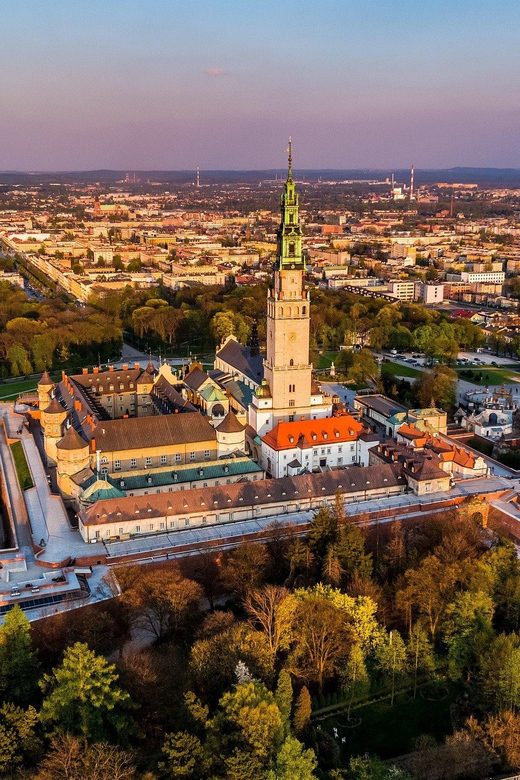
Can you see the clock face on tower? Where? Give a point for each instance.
(292, 336)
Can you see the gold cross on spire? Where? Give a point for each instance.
(289, 152)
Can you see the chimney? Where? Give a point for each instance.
(77, 405)
(93, 444)
(137, 366)
(85, 370)
(125, 366)
(95, 370)
(111, 368)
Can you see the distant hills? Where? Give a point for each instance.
(507, 177)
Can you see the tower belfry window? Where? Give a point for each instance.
(291, 218)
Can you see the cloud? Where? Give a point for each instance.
(215, 72)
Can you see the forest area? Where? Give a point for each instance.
(354, 653)
(56, 334)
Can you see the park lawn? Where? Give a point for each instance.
(327, 359)
(490, 376)
(388, 731)
(21, 465)
(10, 391)
(397, 370)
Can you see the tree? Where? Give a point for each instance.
(69, 758)
(428, 591)
(273, 609)
(500, 673)
(439, 386)
(332, 569)
(352, 556)
(321, 641)
(391, 656)
(214, 660)
(356, 679)
(183, 754)
(370, 768)
(501, 735)
(283, 697)
(323, 531)
(419, 654)
(302, 711)
(244, 568)
(18, 740)
(82, 697)
(18, 664)
(364, 368)
(248, 721)
(293, 762)
(222, 325)
(162, 601)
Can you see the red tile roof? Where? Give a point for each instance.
(309, 433)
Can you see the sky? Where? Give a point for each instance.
(220, 84)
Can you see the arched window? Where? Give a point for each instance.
(291, 362)
(281, 311)
(304, 310)
(291, 248)
(297, 311)
(289, 311)
(291, 218)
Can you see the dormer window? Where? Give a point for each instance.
(325, 435)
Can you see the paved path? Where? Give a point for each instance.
(48, 517)
(21, 518)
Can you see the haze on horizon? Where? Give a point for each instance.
(165, 85)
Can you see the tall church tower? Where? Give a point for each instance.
(288, 392)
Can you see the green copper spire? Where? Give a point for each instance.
(289, 243)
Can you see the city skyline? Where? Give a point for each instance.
(167, 86)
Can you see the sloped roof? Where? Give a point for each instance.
(55, 407)
(72, 440)
(46, 379)
(230, 424)
(156, 431)
(239, 357)
(195, 378)
(309, 433)
(244, 494)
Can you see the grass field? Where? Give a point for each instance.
(388, 731)
(9, 391)
(22, 468)
(490, 376)
(397, 370)
(327, 359)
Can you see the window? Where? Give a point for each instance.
(178, 457)
(138, 529)
(148, 461)
(187, 521)
(112, 388)
(121, 531)
(161, 526)
(104, 470)
(104, 459)
(117, 464)
(304, 310)
(150, 527)
(163, 458)
(120, 397)
(291, 362)
(292, 402)
(206, 453)
(133, 463)
(192, 456)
